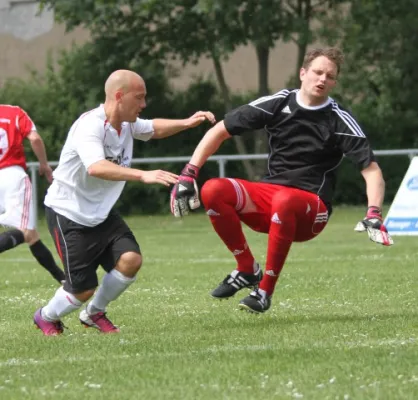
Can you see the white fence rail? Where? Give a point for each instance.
(221, 159)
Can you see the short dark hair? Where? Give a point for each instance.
(332, 53)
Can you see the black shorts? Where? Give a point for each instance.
(82, 249)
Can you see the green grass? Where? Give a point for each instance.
(343, 324)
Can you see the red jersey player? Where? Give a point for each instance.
(16, 208)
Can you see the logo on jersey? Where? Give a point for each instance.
(286, 110)
(120, 159)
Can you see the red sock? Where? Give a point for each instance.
(220, 199)
(276, 257)
(281, 236)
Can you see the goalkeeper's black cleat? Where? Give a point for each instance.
(235, 282)
(257, 302)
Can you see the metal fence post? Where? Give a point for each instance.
(34, 180)
(222, 163)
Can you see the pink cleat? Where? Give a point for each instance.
(48, 328)
(98, 321)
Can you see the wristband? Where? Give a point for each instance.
(190, 170)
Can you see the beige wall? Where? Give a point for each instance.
(26, 38)
(17, 55)
(241, 70)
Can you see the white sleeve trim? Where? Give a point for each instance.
(258, 108)
(349, 121)
(279, 95)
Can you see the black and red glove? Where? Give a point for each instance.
(185, 193)
(373, 224)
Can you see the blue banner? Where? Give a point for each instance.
(402, 225)
(402, 217)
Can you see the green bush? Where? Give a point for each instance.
(57, 98)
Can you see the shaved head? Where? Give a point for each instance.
(125, 96)
(122, 80)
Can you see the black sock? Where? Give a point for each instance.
(10, 239)
(44, 257)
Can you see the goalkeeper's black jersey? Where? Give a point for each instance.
(306, 144)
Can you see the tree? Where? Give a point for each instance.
(190, 29)
(57, 98)
(181, 29)
(379, 79)
(302, 14)
(379, 76)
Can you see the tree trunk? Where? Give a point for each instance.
(304, 13)
(263, 53)
(239, 143)
(260, 137)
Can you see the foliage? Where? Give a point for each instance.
(56, 99)
(380, 78)
(190, 29)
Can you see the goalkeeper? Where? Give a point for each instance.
(309, 134)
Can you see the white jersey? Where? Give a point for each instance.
(74, 193)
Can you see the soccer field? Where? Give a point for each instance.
(343, 323)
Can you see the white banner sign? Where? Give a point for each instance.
(402, 217)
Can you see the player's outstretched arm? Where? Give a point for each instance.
(107, 170)
(373, 221)
(375, 184)
(185, 193)
(168, 127)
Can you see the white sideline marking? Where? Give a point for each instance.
(396, 342)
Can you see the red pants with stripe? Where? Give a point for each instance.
(287, 214)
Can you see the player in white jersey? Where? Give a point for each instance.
(92, 171)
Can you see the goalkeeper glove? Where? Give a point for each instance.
(185, 193)
(373, 224)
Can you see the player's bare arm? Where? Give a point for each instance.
(209, 144)
(375, 184)
(38, 148)
(168, 127)
(185, 193)
(107, 170)
(373, 222)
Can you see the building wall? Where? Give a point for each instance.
(27, 36)
(241, 70)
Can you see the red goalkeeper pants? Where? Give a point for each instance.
(287, 214)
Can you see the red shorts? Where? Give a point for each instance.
(281, 204)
